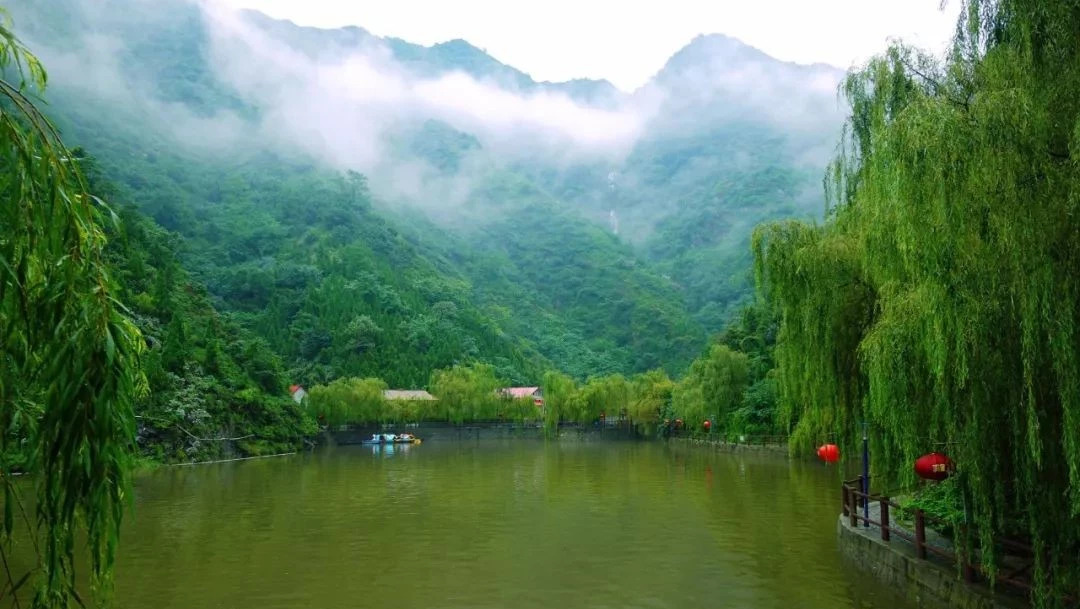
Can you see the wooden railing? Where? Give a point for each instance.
(853, 500)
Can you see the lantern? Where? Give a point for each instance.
(829, 453)
(706, 425)
(933, 466)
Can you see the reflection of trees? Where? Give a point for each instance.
(535, 524)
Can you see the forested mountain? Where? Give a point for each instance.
(733, 138)
(368, 206)
(722, 138)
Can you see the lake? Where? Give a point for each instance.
(516, 524)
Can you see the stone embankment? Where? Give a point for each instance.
(767, 444)
(931, 583)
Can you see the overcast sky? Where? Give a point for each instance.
(626, 42)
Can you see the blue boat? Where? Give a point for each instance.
(389, 438)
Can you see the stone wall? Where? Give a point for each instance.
(779, 448)
(929, 584)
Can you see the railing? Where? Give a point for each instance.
(853, 500)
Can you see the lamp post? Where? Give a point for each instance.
(866, 474)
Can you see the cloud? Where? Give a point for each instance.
(344, 98)
(344, 108)
(717, 79)
(93, 70)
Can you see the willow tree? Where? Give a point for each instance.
(350, 401)
(604, 396)
(561, 399)
(712, 388)
(68, 361)
(650, 400)
(467, 393)
(939, 302)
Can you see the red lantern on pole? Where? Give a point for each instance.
(829, 453)
(933, 466)
(706, 425)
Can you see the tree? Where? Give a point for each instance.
(606, 395)
(364, 333)
(559, 399)
(69, 364)
(651, 395)
(712, 388)
(940, 301)
(467, 392)
(349, 401)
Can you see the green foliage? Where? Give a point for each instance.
(939, 302)
(69, 360)
(732, 384)
(704, 243)
(588, 303)
(942, 500)
(210, 381)
(689, 201)
(560, 399)
(651, 394)
(606, 396)
(301, 252)
(712, 389)
(757, 412)
(464, 394)
(351, 400)
(519, 410)
(467, 393)
(340, 292)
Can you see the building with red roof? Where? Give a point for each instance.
(518, 393)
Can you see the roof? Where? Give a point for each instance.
(295, 388)
(520, 392)
(407, 394)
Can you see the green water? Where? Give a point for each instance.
(491, 524)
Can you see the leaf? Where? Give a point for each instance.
(9, 511)
(110, 345)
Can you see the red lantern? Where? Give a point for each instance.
(934, 466)
(829, 453)
(706, 425)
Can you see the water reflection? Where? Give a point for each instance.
(389, 449)
(491, 524)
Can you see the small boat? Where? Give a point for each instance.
(389, 438)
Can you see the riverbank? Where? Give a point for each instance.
(449, 432)
(441, 431)
(931, 580)
(760, 444)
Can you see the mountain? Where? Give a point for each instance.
(455, 55)
(734, 138)
(369, 206)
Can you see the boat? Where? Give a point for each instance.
(389, 438)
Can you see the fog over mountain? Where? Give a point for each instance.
(342, 95)
(722, 138)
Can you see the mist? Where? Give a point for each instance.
(344, 108)
(350, 103)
